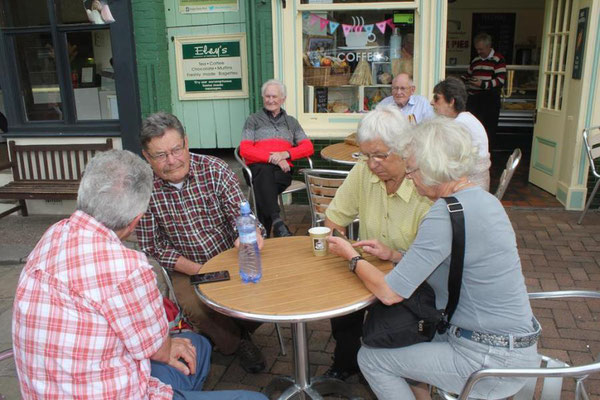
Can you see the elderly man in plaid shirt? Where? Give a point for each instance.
(88, 319)
(191, 218)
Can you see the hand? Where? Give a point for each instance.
(376, 248)
(277, 156)
(285, 167)
(341, 247)
(260, 241)
(475, 82)
(182, 348)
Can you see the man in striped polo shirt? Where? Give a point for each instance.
(485, 77)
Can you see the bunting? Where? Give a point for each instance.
(381, 26)
(356, 27)
(323, 23)
(333, 26)
(347, 29)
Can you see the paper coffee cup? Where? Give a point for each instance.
(318, 237)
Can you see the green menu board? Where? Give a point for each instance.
(212, 66)
(206, 6)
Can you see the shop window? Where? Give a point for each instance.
(19, 13)
(556, 61)
(351, 56)
(344, 1)
(38, 78)
(72, 12)
(92, 76)
(59, 64)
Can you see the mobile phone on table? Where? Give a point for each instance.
(216, 276)
(339, 234)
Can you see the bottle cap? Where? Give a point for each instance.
(245, 208)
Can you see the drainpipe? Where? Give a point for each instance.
(253, 64)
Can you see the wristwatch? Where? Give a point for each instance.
(352, 263)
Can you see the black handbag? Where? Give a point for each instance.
(416, 319)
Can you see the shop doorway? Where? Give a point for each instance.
(548, 133)
(520, 31)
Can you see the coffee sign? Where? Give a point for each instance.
(210, 67)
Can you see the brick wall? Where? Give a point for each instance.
(152, 55)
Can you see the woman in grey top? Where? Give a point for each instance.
(493, 298)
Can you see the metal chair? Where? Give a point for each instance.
(508, 172)
(552, 371)
(295, 186)
(322, 184)
(592, 149)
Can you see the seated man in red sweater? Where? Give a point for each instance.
(270, 141)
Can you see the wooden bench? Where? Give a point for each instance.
(46, 172)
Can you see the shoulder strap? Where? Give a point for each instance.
(458, 254)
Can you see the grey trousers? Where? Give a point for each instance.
(446, 362)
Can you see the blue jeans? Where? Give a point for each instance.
(188, 387)
(446, 362)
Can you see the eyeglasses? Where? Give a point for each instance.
(162, 157)
(375, 157)
(401, 88)
(410, 171)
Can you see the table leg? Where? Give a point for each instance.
(301, 383)
(301, 364)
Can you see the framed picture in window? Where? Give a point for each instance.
(87, 75)
(321, 44)
(382, 73)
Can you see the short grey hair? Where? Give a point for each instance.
(388, 124)
(115, 188)
(155, 125)
(275, 82)
(453, 88)
(484, 38)
(443, 151)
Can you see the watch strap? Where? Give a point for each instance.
(353, 262)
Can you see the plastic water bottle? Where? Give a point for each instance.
(248, 254)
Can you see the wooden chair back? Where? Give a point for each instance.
(322, 184)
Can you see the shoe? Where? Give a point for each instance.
(251, 359)
(281, 230)
(340, 374)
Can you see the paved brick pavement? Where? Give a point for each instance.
(556, 254)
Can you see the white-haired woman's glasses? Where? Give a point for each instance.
(409, 172)
(376, 157)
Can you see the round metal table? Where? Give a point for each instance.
(296, 287)
(342, 153)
